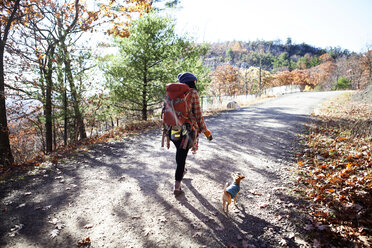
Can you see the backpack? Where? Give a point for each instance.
(175, 111)
(175, 115)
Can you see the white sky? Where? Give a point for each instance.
(320, 23)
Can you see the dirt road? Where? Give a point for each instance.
(120, 194)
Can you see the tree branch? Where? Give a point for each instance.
(9, 23)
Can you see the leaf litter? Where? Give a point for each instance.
(335, 173)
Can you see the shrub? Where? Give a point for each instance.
(342, 83)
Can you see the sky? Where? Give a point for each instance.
(321, 23)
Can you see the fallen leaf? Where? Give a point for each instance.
(47, 207)
(147, 231)
(255, 193)
(301, 242)
(87, 226)
(162, 219)
(283, 242)
(54, 221)
(263, 205)
(59, 226)
(365, 240)
(54, 233)
(84, 242)
(15, 230)
(21, 205)
(291, 235)
(214, 213)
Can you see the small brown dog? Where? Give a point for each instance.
(231, 192)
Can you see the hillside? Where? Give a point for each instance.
(275, 54)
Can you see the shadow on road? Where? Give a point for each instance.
(124, 190)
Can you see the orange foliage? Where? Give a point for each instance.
(366, 63)
(225, 80)
(308, 77)
(119, 14)
(323, 73)
(297, 77)
(115, 15)
(237, 47)
(326, 57)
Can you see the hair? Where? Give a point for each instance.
(191, 84)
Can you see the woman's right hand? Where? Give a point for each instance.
(208, 134)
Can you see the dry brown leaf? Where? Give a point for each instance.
(162, 219)
(84, 242)
(88, 226)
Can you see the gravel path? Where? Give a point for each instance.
(120, 194)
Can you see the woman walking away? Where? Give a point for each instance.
(184, 134)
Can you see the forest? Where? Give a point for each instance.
(72, 73)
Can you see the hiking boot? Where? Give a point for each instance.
(177, 188)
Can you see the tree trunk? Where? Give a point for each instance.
(259, 79)
(6, 157)
(75, 98)
(48, 103)
(144, 97)
(65, 119)
(54, 134)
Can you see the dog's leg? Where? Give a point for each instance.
(235, 198)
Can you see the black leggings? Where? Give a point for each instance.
(181, 155)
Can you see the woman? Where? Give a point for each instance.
(196, 126)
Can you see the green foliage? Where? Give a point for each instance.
(307, 62)
(342, 83)
(151, 57)
(253, 59)
(280, 61)
(318, 88)
(229, 55)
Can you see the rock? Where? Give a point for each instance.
(233, 105)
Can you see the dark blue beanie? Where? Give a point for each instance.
(186, 77)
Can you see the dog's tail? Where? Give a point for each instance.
(224, 189)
